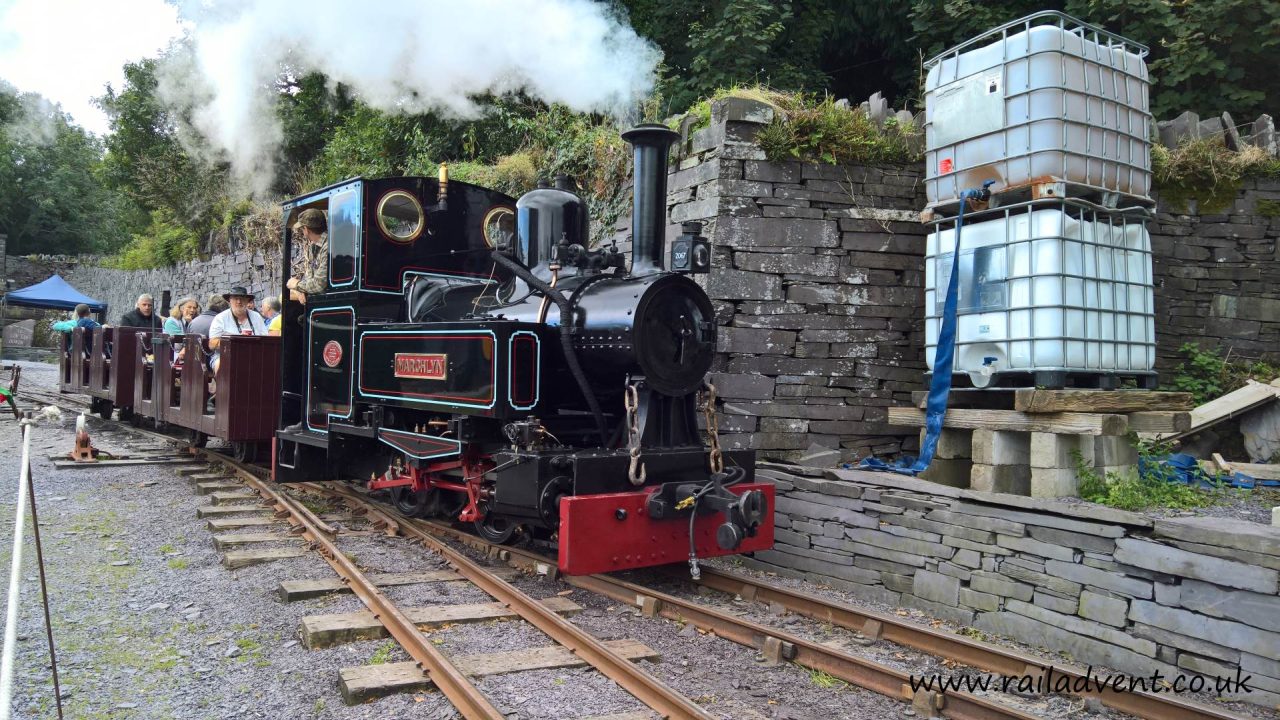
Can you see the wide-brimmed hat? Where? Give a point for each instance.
(237, 291)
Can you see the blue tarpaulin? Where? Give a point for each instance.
(52, 293)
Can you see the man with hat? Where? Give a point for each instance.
(235, 320)
(310, 228)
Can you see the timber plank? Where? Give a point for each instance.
(1159, 422)
(65, 464)
(205, 511)
(293, 590)
(368, 682)
(320, 631)
(222, 542)
(215, 476)
(1228, 406)
(227, 498)
(208, 488)
(199, 470)
(219, 524)
(244, 558)
(637, 715)
(1061, 423)
(1099, 401)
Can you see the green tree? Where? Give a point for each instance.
(146, 159)
(52, 198)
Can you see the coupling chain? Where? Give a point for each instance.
(631, 399)
(716, 458)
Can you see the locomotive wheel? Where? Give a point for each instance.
(497, 530)
(419, 504)
(105, 408)
(197, 439)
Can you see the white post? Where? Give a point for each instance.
(15, 576)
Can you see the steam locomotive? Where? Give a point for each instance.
(477, 360)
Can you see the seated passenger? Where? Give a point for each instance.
(201, 323)
(141, 315)
(271, 313)
(83, 320)
(310, 230)
(184, 311)
(237, 320)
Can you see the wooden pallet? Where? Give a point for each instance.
(1041, 188)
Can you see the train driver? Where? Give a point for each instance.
(235, 320)
(311, 227)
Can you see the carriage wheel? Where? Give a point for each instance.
(105, 409)
(497, 530)
(245, 452)
(196, 439)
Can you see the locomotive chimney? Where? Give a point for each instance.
(651, 142)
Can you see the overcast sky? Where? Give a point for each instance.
(68, 50)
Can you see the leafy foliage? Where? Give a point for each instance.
(1155, 485)
(51, 198)
(1207, 375)
(164, 242)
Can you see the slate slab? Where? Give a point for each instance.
(1181, 563)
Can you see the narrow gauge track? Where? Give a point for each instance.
(846, 667)
(454, 684)
(772, 642)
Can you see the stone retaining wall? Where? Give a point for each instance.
(1193, 595)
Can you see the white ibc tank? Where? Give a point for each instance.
(1044, 287)
(1044, 98)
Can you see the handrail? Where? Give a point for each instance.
(15, 578)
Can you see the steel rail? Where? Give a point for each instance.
(647, 688)
(452, 682)
(772, 641)
(968, 652)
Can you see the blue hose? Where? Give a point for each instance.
(943, 360)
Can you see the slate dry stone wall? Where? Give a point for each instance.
(1193, 595)
(817, 282)
(1218, 276)
(120, 288)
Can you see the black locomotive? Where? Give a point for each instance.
(476, 359)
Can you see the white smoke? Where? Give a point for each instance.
(400, 56)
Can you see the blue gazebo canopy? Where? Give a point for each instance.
(52, 293)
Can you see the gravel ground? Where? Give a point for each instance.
(149, 624)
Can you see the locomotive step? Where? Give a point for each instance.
(321, 631)
(369, 682)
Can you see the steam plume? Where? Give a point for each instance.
(400, 56)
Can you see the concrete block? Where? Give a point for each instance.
(1104, 609)
(1051, 450)
(1115, 582)
(1108, 451)
(953, 444)
(1181, 563)
(1001, 447)
(1054, 482)
(1011, 479)
(1229, 634)
(950, 472)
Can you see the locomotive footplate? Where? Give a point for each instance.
(605, 533)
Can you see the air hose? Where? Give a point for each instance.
(566, 337)
(943, 359)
